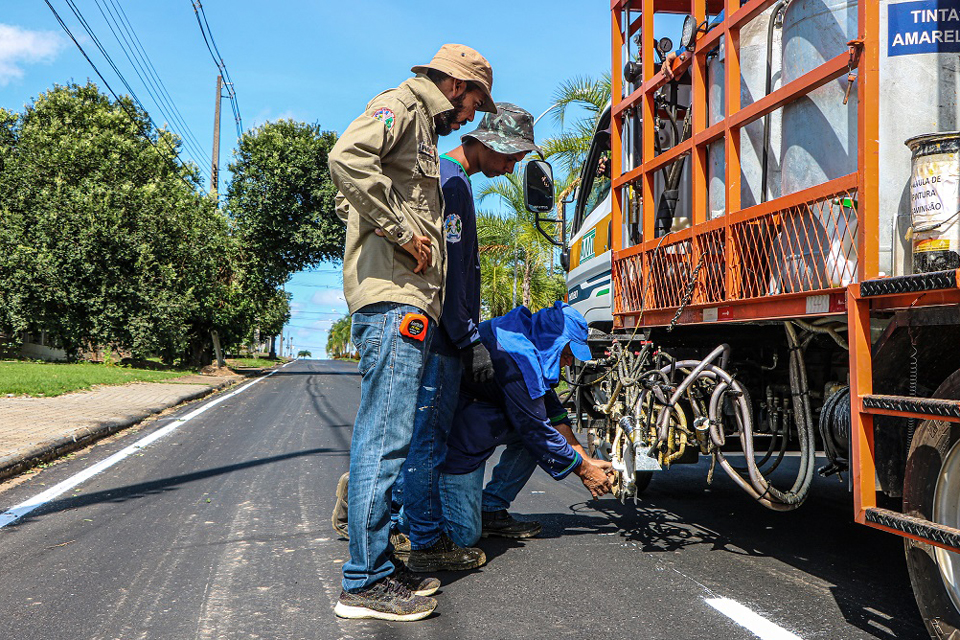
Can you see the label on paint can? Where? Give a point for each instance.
(934, 203)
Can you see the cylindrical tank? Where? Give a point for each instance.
(935, 201)
(918, 95)
(753, 77)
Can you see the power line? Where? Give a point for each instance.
(207, 34)
(147, 73)
(164, 94)
(123, 106)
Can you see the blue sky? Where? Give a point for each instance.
(311, 61)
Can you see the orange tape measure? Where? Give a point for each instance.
(414, 325)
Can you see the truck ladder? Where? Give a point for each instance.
(924, 289)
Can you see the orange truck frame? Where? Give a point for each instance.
(726, 255)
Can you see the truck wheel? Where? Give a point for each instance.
(931, 490)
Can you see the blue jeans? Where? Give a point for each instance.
(420, 486)
(464, 497)
(391, 367)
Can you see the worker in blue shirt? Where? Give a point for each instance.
(518, 405)
(500, 141)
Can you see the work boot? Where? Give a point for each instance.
(386, 599)
(418, 584)
(340, 507)
(445, 555)
(502, 524)
(400, 542)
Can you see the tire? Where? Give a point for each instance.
(935, 450)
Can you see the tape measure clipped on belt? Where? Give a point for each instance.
(414, 325)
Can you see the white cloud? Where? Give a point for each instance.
(19, 47)
(328, 297)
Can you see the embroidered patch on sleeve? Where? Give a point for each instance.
(385, 116)
(452, 228)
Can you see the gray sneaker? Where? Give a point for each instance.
(445, 555)
(502, 524)
(387, 599)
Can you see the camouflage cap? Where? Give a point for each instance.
(509, 130)
(463, 63)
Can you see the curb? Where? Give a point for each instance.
(23, 460)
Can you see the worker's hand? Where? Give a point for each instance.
(477, 363)
(593, 474)
(420, 248)
(667, 67)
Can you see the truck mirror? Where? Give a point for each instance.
(538, 186)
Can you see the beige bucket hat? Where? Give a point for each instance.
(463, 63)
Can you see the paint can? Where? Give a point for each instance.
(935, 201)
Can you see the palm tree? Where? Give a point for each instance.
(569, 148)
(516, 261)
(339, 344)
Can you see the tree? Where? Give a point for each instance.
(105, 238)
(591, 95)
(339, 343)
(303, 353)
(280, 201)
(514, 254)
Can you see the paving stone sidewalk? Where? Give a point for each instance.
(37, 429)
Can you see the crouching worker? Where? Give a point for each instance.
(517, 407)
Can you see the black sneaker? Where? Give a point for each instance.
(445, 555)
(418, 584)
(339, 519)
(500, 523)
(385, 600)
(401, 545)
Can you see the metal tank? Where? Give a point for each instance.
(753, 86)
(918, 95)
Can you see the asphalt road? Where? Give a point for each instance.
(221, 530)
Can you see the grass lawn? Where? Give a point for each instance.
(54, 379)
(251, 362)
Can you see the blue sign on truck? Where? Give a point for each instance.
(929, 26)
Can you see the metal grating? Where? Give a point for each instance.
(934, 407)
(808, 247)
(925, 529)
(909, 284)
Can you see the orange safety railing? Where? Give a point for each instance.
(744, 257)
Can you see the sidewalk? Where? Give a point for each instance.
(33, 430)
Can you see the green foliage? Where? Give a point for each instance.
(569, 148)
(105, 240)
(281, 202)
(514, 254)
(339, 342)
(303, 353)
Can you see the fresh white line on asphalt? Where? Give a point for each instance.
(15, 513)
(751, 621)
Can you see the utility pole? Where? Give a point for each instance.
(215, 168)
(214, 181)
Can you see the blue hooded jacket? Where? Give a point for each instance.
(536, 342)
(525, 349)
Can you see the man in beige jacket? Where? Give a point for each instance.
(386, 168)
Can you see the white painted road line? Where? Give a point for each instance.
(15, 513)
(751, 621)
